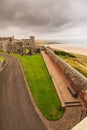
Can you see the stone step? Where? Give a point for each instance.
(72, 102)
(75, 104)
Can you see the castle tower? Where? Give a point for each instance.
(32, 45)
(32, 39)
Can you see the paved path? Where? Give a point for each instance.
(16, 109)
(59, 79)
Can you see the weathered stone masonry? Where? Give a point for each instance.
(76, 79)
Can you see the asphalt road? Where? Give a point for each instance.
(16, 109)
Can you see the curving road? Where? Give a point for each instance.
(16, 109)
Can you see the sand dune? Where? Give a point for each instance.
(69, 48)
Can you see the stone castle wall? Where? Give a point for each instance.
(74, 76)
(4, 45)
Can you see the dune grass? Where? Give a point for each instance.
(41, 86)
(79, 62)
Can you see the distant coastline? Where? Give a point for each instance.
(73, 42)
(69, 48)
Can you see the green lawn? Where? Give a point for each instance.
(79, 62)
(41, 86)
(2, 58)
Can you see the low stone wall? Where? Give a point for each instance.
(77, 79)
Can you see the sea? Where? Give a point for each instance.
(74, 42)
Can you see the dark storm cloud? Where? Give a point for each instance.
(35, 14)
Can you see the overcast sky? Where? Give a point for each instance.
(43, 18)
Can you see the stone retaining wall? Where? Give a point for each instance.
(74, 76)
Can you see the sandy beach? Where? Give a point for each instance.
(69, 48)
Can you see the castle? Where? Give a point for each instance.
(9, 44)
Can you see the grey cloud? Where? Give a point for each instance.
(38, 15)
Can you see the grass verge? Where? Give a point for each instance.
(41, 86)
(3, 59)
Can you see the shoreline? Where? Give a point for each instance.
(69, 48)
